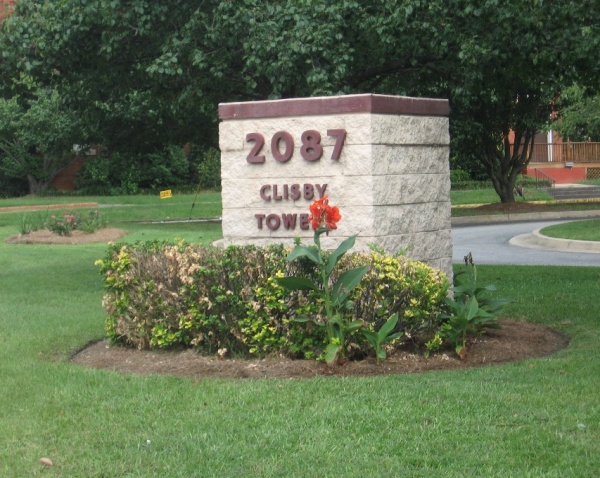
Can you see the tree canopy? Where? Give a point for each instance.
(579, 118)
(36, 134)
(140, 73)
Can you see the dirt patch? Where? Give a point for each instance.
(45, 207)
(44, 236)
(514, 341)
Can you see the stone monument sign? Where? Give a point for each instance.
(383, 160)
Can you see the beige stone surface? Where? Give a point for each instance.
(391, 182)
(410, 188)
(242, 223)
(430, 159)
(357, 160)
(410, 218)
(399, 130)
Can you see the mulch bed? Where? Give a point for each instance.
(516, 340)
(44, 236)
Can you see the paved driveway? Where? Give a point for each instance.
(489, 244)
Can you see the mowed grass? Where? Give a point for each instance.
(143, 217)
(578, 230)
(464, 202)
(118, 209)
(535, 418)
(489, 196)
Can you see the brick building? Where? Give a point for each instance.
(6, 8)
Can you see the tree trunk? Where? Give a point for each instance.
(37, 186)
(50, 170)
(506, 191)
(504, 161)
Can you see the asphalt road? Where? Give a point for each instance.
(489, 244)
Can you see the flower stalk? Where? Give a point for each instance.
(324, 218)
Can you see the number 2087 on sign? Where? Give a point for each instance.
(282, 145)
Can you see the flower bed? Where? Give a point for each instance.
(163, 295)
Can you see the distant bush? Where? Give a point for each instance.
(162, 295)
(205, 164)
(12, 187)
(525, 181)
(116, 174)
(122, 174)
(458, 176)
(470, 185)
(460, 184)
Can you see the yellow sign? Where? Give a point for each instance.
(165, 194)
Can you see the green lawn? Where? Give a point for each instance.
(535, 418)
(463, 200)
(489, 196)
(129, 212)
(579, 230)
(591, 182)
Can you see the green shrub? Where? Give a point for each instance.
(209, 170)
(472, 310)
(205, 167)
(108, 176)
(122, 174)
(11, 187)
(164, 169)
(470, 185)
(29, 222)
(63, 223)
(91, 221)
(461, 183)
(525, 181)
(458, 175)
(161, 295)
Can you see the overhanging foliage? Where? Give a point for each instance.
(143, 73)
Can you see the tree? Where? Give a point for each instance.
(501, 64)
(579, 118)
(143, 73)
(100, 57)
(513, 88)
(36, 136)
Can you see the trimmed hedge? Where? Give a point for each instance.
(163, 295)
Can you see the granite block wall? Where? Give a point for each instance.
(390, 180)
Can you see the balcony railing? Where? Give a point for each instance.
(566, 152)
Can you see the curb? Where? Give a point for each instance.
(535, 240)
(523, 217)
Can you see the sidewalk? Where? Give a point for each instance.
(536, 240)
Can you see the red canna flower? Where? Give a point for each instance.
(332, 217)
(322, 215)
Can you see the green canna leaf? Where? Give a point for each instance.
(336, 255)
(346, 283)
(304, 251)
(297, 283)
